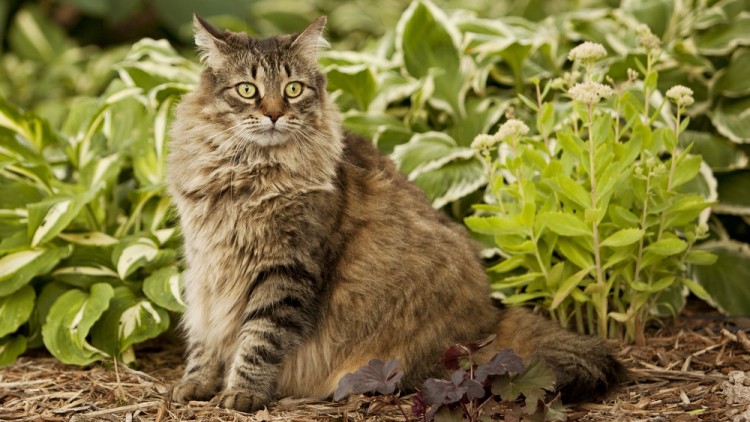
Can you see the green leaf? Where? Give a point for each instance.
(19, 268)
(726, 280)
(164, 288)
(573, 190)
(494, 225)
(33, 36)
(133, 253)
(733, 197)
(429, 44)
(427, 151)
(130, 319)
(686, 170)
(720, 40)
(11, 348)
(508, 264)
(51, 216)
(718, 152)
(622, 216)
(451, 181)
(699, 257)
(732, 119)
(565, 224)
(566, 287)
(69, 321)
(666, 247)
(732, 81)
(575, 253)
(623, 237)
(357, 80)
(15, 309)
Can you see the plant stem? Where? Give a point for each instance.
(639, 258)
(601, 294)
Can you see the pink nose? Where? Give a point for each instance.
(273, 115)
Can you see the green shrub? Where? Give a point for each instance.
(88, 253)
(592, 217)
(88, 248)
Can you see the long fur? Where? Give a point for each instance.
(308, 253)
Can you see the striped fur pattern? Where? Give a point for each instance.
(308, 253)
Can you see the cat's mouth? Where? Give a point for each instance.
(272, 136)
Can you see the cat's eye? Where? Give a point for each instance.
(246, 90)
(293, 89)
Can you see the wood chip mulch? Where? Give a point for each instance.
(696, 368)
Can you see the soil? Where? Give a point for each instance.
(694, 368)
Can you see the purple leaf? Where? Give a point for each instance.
(474, 389)
(460, 355)
(504, 362)
(375, 377)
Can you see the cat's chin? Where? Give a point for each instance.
(271, 139)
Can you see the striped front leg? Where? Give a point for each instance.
(282, 311)
(203, 375)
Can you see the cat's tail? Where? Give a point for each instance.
(585, 366)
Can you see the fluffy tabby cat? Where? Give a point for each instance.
(308, 253)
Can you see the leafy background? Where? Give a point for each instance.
(89, 251)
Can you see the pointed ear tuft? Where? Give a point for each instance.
(311, 40)
(207, 39)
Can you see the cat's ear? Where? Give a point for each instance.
(309, 41)
(209, 40)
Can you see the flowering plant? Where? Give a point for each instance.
(594, 215)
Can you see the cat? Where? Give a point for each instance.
(308, 253)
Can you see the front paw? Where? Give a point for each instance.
(242, 400)
(194, 389)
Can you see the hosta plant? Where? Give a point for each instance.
(597, 213)
(88, 252)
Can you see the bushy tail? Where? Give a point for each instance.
(585, 367)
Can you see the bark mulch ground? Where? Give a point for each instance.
(696, 368)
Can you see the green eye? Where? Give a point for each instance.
(246, 90)
(293, 89)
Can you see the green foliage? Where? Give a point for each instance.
(87, 260)
(592, 215)
(82, 152)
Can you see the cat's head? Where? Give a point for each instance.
(265, 92)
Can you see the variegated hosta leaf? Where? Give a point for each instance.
(733, 194)
(151, 63)
(444, 171)
(356, 80)
(718, 152)
(89, 239)
(733, 81)
(726, 280)
(69, 321)
(429, 44)
(51, 216)
(130, 319)
(137, 252)
(34, 36)
(11, 347)
(732, 119)
(149, 155)
(15, 309)
(164, 288)
(18, 268)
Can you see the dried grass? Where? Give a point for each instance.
(679, 376)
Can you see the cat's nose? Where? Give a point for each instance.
(273, 115)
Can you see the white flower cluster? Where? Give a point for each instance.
(589, 92)
(484, 141)
(512, 129)
(587, 51)
(681, 95)
(647, 39)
